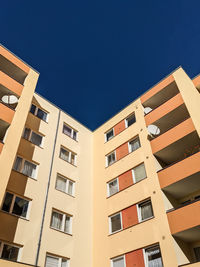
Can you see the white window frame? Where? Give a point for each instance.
(67, 185)
(36, 110)
(108, 156)
(72, 131)
(22, 167)
(126, 120)
(59, 259)
(12, 205)
(110, 224)
(120, 257)
(12, 245)
(133, 173)
(108, 189)
(70, 156)
(105, 135)
(63, 222)
(30, 135)
(129, 145)
(145, 255)
(139, 211)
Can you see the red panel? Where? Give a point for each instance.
(125, 180)
(135, 259)
(129, 216)
(118, 128)
(122, 151)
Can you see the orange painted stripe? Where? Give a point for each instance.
(125, 180)
(129, 216)
(4, 52)
(119, 127)
(180, 170)
(157, 88)
(173, 135)
(135, 259)
(164, 109)
(1, 146)
(122, 151)
(6, 114)
(11, 84)
(183, 218)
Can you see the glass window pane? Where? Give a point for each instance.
(64, 154)
(52, 262)
(67, 130)
(130, 120)
(113, 187)
(109, 135)
(64, 263)
(9, 252)
(36, 139)
(111, 158)
(20, 207)
(72, 159)
(74, 135)
(116, 223)
(33, 108)
(197, 253)
(42, 114)
(61, 183)
(18, 164)
(134, 144)
(26, 133)
(154, 257)
(29, 169)
(118, 262)
(146, 210)
(67, 224)
(139, 172)
(7, 202)
(56, 220)
(70, 188)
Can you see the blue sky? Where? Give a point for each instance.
(95, 57)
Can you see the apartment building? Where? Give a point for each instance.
(124, 195)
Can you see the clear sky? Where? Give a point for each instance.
(95, 57)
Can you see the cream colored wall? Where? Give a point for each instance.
(152, 231)
(14, 132)
(4, 263)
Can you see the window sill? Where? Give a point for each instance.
(17, 216)
(60, 231)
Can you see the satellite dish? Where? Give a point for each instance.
(147, 110)
(9, 99)
(153, 129)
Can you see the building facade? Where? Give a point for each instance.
(124, 195)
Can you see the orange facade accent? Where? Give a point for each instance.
(129, 216)
(4, 52)
(179, 170)
(157, 88)
(1, 146)
(162, 110)
(10, 83)
(135, 259)
(6, 114)
(196, 80)
(183, 218)
(122, 151)
(125, 180)
(173, 135)
(118, 128)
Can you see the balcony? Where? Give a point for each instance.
(174, 144)
(9, 86)
(3, 129)
(6, 113)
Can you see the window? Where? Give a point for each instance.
(26, 167)
(15, 205)
(8, 251)
(113, 187)
(145, 211)
(130, 120)
(110, 159)
(33, 137)
(153, 257)
(134, 144)
(52, 261)
(39, 112)
(61, 221)
(118, 262)
(197, 253)
(70, 132)
(65, 185)
(109, 135)
(68, 156)
(139, 173)
(115, 223)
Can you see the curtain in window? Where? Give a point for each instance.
(64, 154)
(26, 133)
(111, 158)
(135, 144)
(67, 130)
(113, 187)
(51, 262)
(146, 210)
(56, 220)
(61, 184)
(36, 139)
(29, 169)
(140, 172)
(118, 262)
(67, 224)
(116, 222)
(64, 263)
(70, 187)
(154, 257)
(18, 164)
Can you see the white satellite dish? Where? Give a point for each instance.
(153, 129)
(9, 99)
(147, 110)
